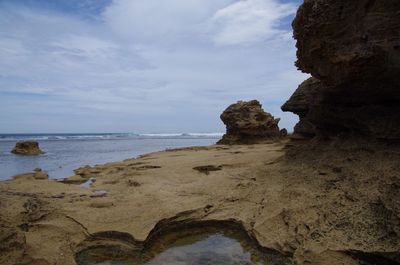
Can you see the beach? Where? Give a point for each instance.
(302, 205)
(316, 185)
(66, 152)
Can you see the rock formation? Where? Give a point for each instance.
(40, 174)
(352, 50)
(247, 122)
(27, 148)
(36, 174)
(300, 103)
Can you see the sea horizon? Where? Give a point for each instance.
(65, 152)
(104, 135)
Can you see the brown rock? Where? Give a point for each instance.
(247, 122)
(41, 175)
(302, 99)
(24, 176)
(306, 95)
(340, 41)
(27, 148)
(75, 179)
(352, 50)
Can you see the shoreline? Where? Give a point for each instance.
(64, 156)
(292, 208)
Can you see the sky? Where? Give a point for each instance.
(142, 66)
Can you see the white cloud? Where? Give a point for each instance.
(155, 20)
(145, 62)
(225, 22)
(249, 21)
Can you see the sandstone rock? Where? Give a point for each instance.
(24, 176)
(247, 122)
(304, 129)
(27, 148)
(352, 50)
(75, 179)
(300, 103)
(305, 95)
(40, 175)
(340, 41)
(82, 175)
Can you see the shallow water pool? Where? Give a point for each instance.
(197, 248)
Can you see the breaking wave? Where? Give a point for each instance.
(107, 136)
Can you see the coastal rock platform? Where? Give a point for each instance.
(316, 204)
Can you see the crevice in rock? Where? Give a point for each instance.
(79, 223)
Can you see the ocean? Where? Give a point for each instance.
(66, 152)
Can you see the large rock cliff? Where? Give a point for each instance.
(352, 50)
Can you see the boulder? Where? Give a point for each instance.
(27, 148)
(352, 51)
(247, 123)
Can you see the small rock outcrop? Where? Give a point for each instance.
(27, 148)
(247, 123)
(352, 51)
(40, 174)
(36, 174)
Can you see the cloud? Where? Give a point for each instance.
(250, 21)
(225, 22)
(143, 65)
(164, 21)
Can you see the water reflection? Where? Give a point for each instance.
(195, 248)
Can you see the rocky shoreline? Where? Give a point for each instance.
(352, 51)
(332, 198)
(314, 209)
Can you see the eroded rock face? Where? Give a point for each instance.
(352, 50)
(300, 103)
(27, 148)
(340, 41)
(247, 122)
